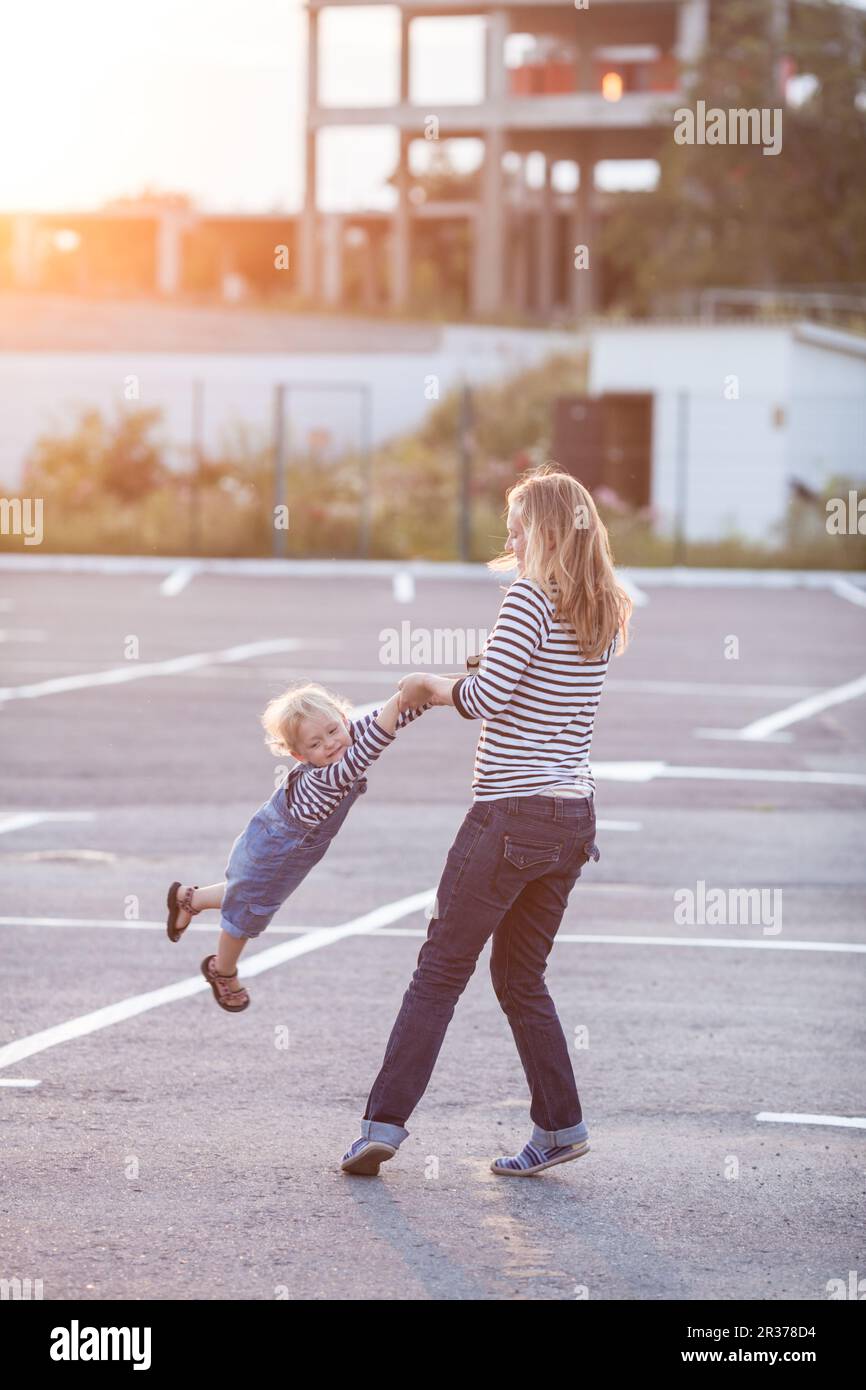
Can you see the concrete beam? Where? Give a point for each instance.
(569, 111)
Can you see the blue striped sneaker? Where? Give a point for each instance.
(533, 1159)
(365, 1155)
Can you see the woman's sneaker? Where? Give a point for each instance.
(365, 1155)
(533, 1159)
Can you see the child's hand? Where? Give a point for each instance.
(414, 691)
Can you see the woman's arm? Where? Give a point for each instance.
(521, 626)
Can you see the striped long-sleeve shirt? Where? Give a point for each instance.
(312, 793)
(537, 698)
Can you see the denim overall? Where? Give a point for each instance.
(508, 875)
(271, 857)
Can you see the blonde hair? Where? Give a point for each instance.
(284, 713)
(575, 571)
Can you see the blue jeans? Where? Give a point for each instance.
(508, 874)
(271, 857)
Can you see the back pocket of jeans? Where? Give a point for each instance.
(525, 854)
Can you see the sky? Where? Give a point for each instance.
(103, 98)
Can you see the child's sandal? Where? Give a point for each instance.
(232, 1000)
(176, 905)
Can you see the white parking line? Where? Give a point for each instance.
(22, 634)
(176, 582)
(183, 989)
(845, 589)
(845, 1121)
(18, 1081)
(648, 771)
(21, 820)
(135, 671)
(422, 900)
(726, 690)
(734, 943)
(804, 709)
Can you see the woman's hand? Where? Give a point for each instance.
(414, 691)
(422, 688)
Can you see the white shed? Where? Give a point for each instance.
(733, 415)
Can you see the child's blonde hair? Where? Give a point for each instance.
(284, 713)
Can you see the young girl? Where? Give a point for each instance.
(290, 832)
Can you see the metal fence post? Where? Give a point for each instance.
(279, 540)
(682, 483)
(464, 501)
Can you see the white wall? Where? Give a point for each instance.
(37, 390)
(799, 411)
(828, 412)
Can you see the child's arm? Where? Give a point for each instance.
(366, 748)
(391, 718)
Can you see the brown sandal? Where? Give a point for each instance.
(221, 992)
(174, 905)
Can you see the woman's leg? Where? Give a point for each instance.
(477, 888)
(521, 945)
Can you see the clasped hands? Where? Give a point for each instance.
(424, 688)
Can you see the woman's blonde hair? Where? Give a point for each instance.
(568, 553)
(284, 713)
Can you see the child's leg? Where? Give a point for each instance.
(211, 896)
(201, 899)
(228, 953)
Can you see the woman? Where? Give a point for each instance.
(531, 827)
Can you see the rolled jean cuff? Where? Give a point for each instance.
(552, 1138)
(231, 930)
(389, 1134)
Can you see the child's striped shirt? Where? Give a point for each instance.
(537, 697)
(312, 793)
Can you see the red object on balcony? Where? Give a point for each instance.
(526, 81)
(664, 74)
(559, 76)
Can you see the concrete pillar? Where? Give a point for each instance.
(545, 270)
(169, 253)
(495, 73)
(370, 251)
(332, 259)
(401, 248)
(693, 31)
(584, 283)
(518, 244)
(405, 21)
(25, 251)
(585, 77)
(401, 228)
(489, 249)
(488, 265)
(309, 280)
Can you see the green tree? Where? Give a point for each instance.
(729, 215)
